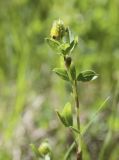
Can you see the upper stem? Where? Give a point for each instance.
(75, 92)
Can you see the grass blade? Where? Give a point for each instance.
(94, 116)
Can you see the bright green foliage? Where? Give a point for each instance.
(75, 129)
(86, 76)
(65, 44)
(53, 44)
(61, 73)
(66, 115)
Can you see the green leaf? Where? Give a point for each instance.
(69, 35)
(73, 71)
(75, 129)
(86, 76)
(61, 118)
(64, 48)
(73, 44)
(61, 73)
(53, 43)
(72, 41)
(67, 114)
(69, 48)
(101, 107)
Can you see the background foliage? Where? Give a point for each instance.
(30, 92)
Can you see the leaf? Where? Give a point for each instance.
(94, 116)
(69, 48)
(53, 43)
(64, 48)
(75, 129)
(73, 44)
(72, 41)
(61, 73)
(67, 114)
(61, 118)
(69, 35)
(86, 76)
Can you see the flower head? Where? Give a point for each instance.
(57, 30)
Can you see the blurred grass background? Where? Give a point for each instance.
(30, 92)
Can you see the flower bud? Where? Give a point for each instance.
(44, 149)
(57, 30)
(67, 61)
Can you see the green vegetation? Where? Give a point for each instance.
(30, 91)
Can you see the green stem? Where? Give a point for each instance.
(75, 91)
(75, 141)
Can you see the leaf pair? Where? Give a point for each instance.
(84, 76)
(62, 73)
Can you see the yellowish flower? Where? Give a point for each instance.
(57, 30)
